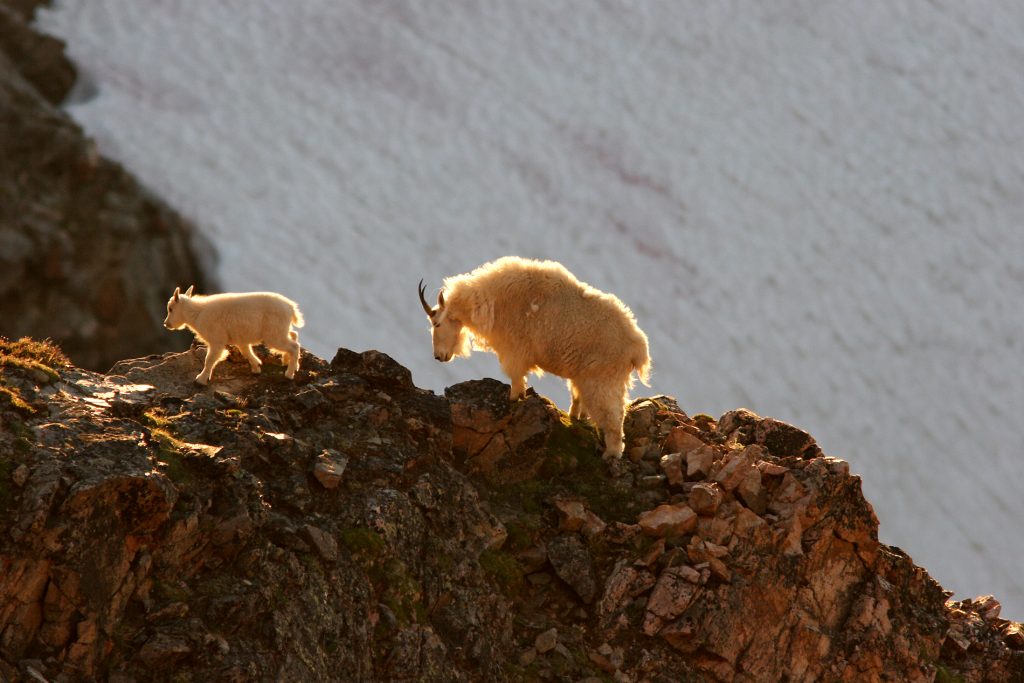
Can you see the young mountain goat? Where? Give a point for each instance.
(240, 320)
(536, 316)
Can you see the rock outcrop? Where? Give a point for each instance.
(87, 256)
(349, 526)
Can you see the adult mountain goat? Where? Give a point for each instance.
(536, 316)
(240, 320)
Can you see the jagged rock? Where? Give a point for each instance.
(700, 461)
(705, 498)
(673, 594)
(1013, 635)
(624, 583)
(374, 366)
(681, 440)
(546, 641)
(573, 564)
(668, 520)
(750, 491)
(329, 468)
(779, 438)
(717, 530)
(571, 514)
(418, 655)
(324, 544)
(182, 528)
(592, 525)
(735, 467)
(501, 441)
(20, 475)
(672, 466)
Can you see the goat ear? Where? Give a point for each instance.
(177, 293)
(188, 292)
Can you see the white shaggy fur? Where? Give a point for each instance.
(536, 316)
(240, 320)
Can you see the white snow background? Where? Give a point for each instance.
(814, 208)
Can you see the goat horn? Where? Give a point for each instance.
(426, 306)
(440, 299)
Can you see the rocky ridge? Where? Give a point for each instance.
(349, 526)
(88, 257)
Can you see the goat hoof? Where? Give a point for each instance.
(256, 370)
(200, 380)
(289, 374)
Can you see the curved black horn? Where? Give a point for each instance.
(426, 306)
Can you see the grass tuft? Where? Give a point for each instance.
(39, 358)
(45, 352)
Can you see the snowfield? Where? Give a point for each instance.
(814, 209)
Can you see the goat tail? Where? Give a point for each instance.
(642, 365)
(297, 318)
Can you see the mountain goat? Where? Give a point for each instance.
(537, 317)
(240, 320)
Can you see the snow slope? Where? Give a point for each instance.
(814, 208)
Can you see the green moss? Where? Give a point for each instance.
(400, 591)
(572, 465)
(364, 542)
(24, 437)
(171, 456)
(528, 496)
(234, 413)
(944, 675)
(12, 397)
(153, 418)
(522, 532)
(570, 442)
(504, 569)
(704, 421)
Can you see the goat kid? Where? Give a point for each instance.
(239, 320)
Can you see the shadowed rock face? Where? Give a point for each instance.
(87, 256)
(349, 526)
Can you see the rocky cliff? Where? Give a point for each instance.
(348, 526)
(87, 256)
